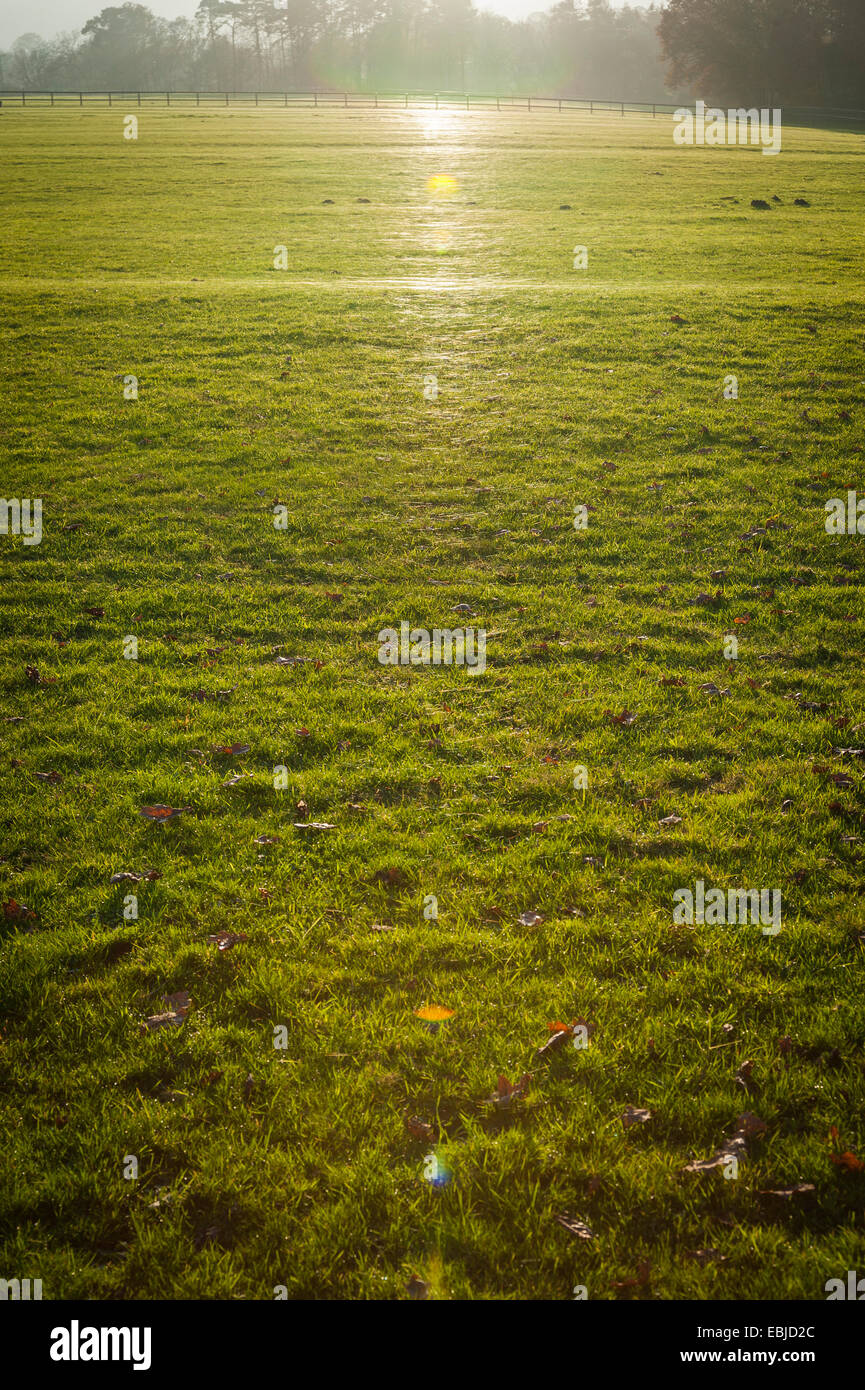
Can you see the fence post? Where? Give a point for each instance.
(80, 98)
(653, 110)
(345, 94)
(623, 108)
(560, 104)
(52, 98)
(256, 98)
(197, 98)
(591, 108)
(226, 98)
(109, 98)
(139, 98)
(530, 103)
(315, 98)
(167, 98)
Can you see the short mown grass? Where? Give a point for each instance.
(262, 1166)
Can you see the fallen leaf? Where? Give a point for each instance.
(434, 1013)
(625, 718)
(225, 940)
(801, 1190)
(177, 1007)
(506, 1091)
(574, 1227)
(418, 1128)
(634, 1116)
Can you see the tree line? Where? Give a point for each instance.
(810, 52)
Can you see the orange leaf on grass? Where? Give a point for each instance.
(848, 1162)
(434, 1013)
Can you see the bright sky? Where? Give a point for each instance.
(49, 17)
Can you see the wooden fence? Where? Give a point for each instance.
(437, 101)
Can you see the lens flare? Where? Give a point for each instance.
(442, 183)
(436, 1171)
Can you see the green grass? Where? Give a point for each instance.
(305, 387)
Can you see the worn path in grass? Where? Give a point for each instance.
(259, 1165)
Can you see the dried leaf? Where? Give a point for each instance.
(506, 1092)
(574, 1227)
(632, 1115)
(434, 1013)
(225, 940)
(177, 1007)
(800, 1190)
(625, 718)
(418, 1128)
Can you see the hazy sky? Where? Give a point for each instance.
(48, 17)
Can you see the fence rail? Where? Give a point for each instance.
(384, 100)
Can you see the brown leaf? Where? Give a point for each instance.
(847, 1162)
(418, 1128)
(632, 1115)
(625, 718)
(530, 919)
(506, 1091)
(750, 1126)
(177, 1007)
(225, 940)
(745, 1079)
(17, 912)
(800, 1191)
(574, 1227)
(640, 1280)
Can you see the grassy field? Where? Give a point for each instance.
(300, 1158)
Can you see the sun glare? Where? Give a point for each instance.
(442, 183)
